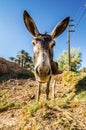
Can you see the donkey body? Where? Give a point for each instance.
(43, 44)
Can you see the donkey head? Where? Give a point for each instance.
(43, 47)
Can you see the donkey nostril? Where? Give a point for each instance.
(37, 70)
(49, 72)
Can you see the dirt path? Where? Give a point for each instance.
(15, 95)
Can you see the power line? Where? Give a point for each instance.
(81, 17)
(81, 13)
(78, 12)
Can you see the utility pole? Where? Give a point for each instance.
(69, 30)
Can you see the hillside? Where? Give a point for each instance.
(20, 111)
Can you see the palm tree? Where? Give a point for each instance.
(17, 61)
(24, 58)
(20, 56)
(28, 59)
(12, 59)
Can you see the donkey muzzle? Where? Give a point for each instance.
(43, 71)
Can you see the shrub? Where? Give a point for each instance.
(25, 75)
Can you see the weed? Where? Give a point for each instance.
(4, 107)
(71, 78)
(63, 121)
(31, 109)
(76, 82)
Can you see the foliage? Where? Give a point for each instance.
(75, 58)
(23, 59)
(71, 78)
(76, 86)
(25, 75)
(12, 58)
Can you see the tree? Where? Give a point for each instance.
(23, 58)
(75, 58)
(27, 59)
(20, 56)
(12, 59)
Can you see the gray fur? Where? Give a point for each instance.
(44, 66)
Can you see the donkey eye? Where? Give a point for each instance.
(53, 44)
(33, 42)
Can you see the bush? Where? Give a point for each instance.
(75, 60)
(25, 75)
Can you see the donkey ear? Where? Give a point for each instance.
(30, 24)
(60, 27)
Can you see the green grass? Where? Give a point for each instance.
(32, 108)
(6, 106)
(76, 87)
(5, 102)
(73, 78)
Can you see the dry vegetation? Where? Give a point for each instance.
(20, 111)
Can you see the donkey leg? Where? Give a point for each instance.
(47, 89)
(53, 89)
(38, 91)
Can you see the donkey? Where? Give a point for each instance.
(44, 66)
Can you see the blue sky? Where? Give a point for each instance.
(46, 13)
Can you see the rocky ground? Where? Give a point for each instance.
(20, 111)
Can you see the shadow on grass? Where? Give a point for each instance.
(80, 86)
